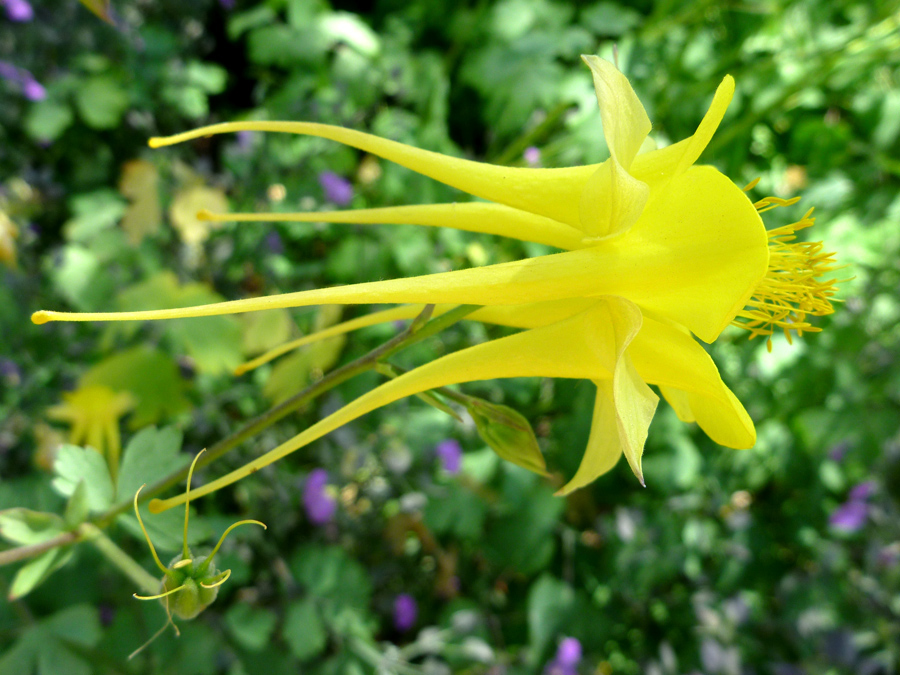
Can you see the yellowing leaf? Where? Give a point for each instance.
(263, 331)
(150, 376)
(139, 183)
(183, 212)
(213, 342)
(293, 373)
(99, 7)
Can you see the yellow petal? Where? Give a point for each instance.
(669, 357)
(612, 199)
(625, 122)
(553, 193)
(583, 346)
(702, 247)
(657, 167)
(623, 409)
(470, 216)
(680, 403)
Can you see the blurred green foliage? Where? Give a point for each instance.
(727, 563)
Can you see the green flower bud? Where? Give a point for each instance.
(189, 586)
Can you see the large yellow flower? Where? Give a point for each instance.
(655, 249)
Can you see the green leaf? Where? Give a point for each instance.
(303, 630)
(522, 538)
(550, 602)
(251, 627)
(209, 77)
(214, 342)
(351, 30)
(47, 120)
(610, 19)
(101, 101)
(36, 571)
(330, 574)
(151, 455)
(92, 213)
(74, 465)
(456, 510)
(26, 527)
(508, 433)
(77, 508)
(75, 277)
(150, 375)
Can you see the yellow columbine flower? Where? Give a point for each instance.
(655, 249)
(94, 412)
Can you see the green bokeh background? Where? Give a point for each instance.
(727, 563)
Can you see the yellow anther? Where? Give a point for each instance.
(790, 290)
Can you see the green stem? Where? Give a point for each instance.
(124, 562)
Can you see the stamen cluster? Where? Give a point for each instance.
(791, 289)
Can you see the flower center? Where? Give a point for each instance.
(791, 289)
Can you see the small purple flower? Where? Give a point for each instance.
(274, 244)
(405, 612)
(532, 156)
(319, 503)
(337, 189)
(839, 451)
(245, 140)
(227, 4)
(10, 372)
(850, 516)
(568, 656)
(862, 491)
(34, 90)
(449, 454)
(18, 10)
(31, 88)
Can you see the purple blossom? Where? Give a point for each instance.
(274, 244)
(839, 451)
(31, 88)
(245, 140)
(405, 612)
(862, 491)
(10, 372)
(850, 516)
(449, 454)
(34, 90)
(532, 156)
(227, 4)
(568, 656)
(318, 502)
(337, 189)
(18, 10)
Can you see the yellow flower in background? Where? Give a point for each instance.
(654, 250)
(8, 235)
(93, 412)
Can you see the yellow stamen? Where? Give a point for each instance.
(790, 290)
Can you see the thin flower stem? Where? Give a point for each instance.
(419, 329)
(124, 562)
(31, 550)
